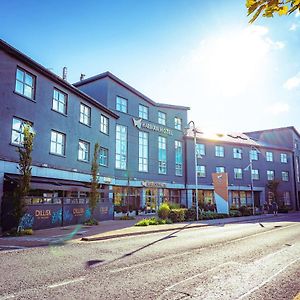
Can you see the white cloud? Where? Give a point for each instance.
(278, 108)
(294, 27)
(297, 14)
(292, 82)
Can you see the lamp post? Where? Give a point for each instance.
(195, 158)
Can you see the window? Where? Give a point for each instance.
(25, 83)
(269, 156)
(253, 154)
(286, 198)
(103, 157)
(270, 175)
(84, 151)
(162, 117)
(237, 153)
(104, 124)
(238, 173)
(220, 169)
(162, 155)
(200, 150)
(285, 176)
(178, 123)
(178, 158)
(121, 147)
(121, 104)
(59, 102)
(143, 112)
(58, 143)
(85, 114)
(201, 171)
(255, 174)
(143, 151)
(17, 134)
(219, 151)
(283, 158)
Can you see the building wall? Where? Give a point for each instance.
(39, 112)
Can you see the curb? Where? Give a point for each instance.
(193, 225)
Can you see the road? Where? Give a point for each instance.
(234, 261)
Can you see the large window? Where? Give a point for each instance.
(287, 198)
(121, 147)
(238, 173)
(58, 143)
(200, 150)
(59, 102)
(219, 151)
(83, 151)
(201, 171)
(121, 104)
(143, 151)
(104, 124)
(143, 112)
(162, 117)
(178, 158)
(285, 176)
(25, 83)
(283, 158)
(103, 157)
(253, 154)
(237, 153)
(178, 123)
(269, 156)
(270, 174)
(85, 114)
(255, 174)
(162, 155)
(220, 169)
(17, 134)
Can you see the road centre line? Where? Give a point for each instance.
(66, 282)
(268, 280)
(187, 252)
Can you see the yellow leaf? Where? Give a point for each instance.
(249, 3)
(283, 10)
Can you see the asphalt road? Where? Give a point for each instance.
(234, 261)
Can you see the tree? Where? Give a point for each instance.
(272, 186)
(94, 194)
(267, 8)
(24, 167)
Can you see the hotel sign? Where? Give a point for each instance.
(140, 123)
(151, 184)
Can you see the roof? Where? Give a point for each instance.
(233, 138)
(130, 88)
(36, 66)
(276, 129)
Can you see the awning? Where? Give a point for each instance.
(53, 184)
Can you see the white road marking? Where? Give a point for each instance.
(138, 265)
(66, 282)
(268, 280)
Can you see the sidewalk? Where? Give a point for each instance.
(108, 230)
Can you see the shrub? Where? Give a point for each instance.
(91, 222)
(283, 209)
(123, 218)
(235, 213)
(163, 211)
(174, 205)
(190, 214)
(177, 215)
(245, 211)
(153, 221)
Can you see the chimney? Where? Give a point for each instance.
(65, 71)
(82, 76)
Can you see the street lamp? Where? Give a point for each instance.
(196, 176)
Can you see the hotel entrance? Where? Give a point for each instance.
(151, 199)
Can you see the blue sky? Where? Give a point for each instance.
(202, 54)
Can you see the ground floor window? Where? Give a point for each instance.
(126, 198)
(206, 199)
(241, 198)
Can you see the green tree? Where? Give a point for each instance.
(272, 186)
(24, 167)
(267, 8)
(94, 194)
